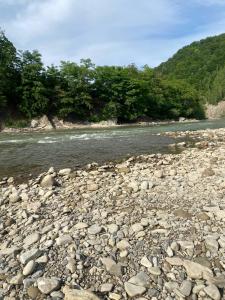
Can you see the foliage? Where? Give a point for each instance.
(201, 64)
(87, 92)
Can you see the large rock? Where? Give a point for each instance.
(72, 294)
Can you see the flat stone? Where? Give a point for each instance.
(114, 296)
(72, 294)
(33, 292)
(80, 226)
(174, 261)
(31, 239)
(63, 240)
(211, 244)
(146, 262)
(9, 251)
(116, 270)
(141, 279)
(133, 290)
(16, 280)
(203, 216)
(182, 214)
(123, 245)
(29, 268)
(154, 271)
(213, 292)
(208, 172)
(106, 287)
(108, 262)
(137, 227)
(29, 255)
(196, 271)
(48, 285)
(92, 187)
(64, 172)
(112, 228)
(94, 229)
(186, 287)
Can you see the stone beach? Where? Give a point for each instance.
(151, 227)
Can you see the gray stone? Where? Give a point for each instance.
(154, 271)
(72, 294)
(133, 290)
(146, 262)
(211, 244)
(48, 285)
(29, 255)
(64, 239)
(141, 279)
(29, 268)
(64, 172)
(94, 229)
(16, 280)
(213, 292)
(48, 181)
(14, 197)
(31, 239)
(186, 288)
(106, 287)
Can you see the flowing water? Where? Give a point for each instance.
(22, 154)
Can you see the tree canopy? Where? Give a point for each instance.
(200, 64)
(84, 91)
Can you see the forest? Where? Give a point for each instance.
(86, 92)
(201, 64)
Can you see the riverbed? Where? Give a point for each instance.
(22, 154)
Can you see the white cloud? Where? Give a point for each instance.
(108, 31)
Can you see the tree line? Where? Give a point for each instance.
(84, 91)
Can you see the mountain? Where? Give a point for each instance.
(201, 64)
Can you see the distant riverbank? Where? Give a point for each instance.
(45, 124)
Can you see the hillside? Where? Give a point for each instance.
(201, 64)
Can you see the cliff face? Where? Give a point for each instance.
(215, 111)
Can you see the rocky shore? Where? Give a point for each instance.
(45, 124)
(152, 227)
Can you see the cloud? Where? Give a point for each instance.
(107, 31)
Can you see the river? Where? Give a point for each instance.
(22, 154)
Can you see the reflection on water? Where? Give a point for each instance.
(24, 153)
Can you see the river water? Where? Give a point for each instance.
(22, 154)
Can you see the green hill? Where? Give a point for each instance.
(201, 64)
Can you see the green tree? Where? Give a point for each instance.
(34, 101)
(9, 74)
(77, 81)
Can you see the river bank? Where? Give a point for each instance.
(149, 228)
(45, 124)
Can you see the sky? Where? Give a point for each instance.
(110, 32)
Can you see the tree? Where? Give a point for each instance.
(77, 82)
(34, 101)
(9, 74)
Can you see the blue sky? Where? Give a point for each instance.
(110, 31)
